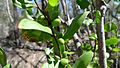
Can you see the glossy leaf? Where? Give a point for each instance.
(83, 3)
(53, 2)
(30, 24)
(98, 16)
(83, 60)
(75, 25)
(93, 36)
(3, 58)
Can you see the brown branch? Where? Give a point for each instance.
(49, 23)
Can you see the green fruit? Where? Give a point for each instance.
(64, 61)
(61, 41)
(42, 17)
(56, 22)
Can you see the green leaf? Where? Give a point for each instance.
(53, 2)
(111, 41)
(83, 3)
(76, 23)
(69, 53)
(87, 22)
(98, 16)
(47, 51)
(57, 64)
(110, 27)
(53, 11)
(116, 49)
(93, 36)
(68, 66)
(3, 58)
(45, 65)
(30, 24)
(83, 60)
(7, 66)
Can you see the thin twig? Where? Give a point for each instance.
(49, 22)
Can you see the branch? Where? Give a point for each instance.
(49, 23)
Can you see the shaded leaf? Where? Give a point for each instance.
(83, 60)
(75, 25)
(53, 11)
(110, 27)
(3, 58)
(83, 3)
(30, 24)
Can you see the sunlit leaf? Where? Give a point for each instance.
(57, 64)
(93, 36)
(75, 25)
(116, 49)
(87, 22)
(53, 2)
(111, 41)
(45, 65)
(30, 24)
(69, 53)
(83, 60)
(98, 16)
(7, 66)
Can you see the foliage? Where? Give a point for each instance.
(3, 59)
(43, 27)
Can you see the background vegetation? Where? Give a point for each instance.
(78, 33)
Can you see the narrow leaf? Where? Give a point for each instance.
(76, 23)
(30, 24)
(3, 58)
(83, 60)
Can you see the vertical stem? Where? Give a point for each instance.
(101, 40)
(101, 35)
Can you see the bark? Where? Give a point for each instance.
(101, 35)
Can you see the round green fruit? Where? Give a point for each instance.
(61, 41)
(64, 61)
(56, 22)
